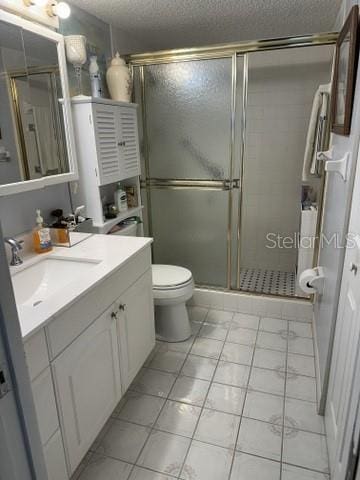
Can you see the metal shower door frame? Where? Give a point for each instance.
(235, 180)
(227, 184)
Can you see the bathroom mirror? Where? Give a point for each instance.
(36, 134)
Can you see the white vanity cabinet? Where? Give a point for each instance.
(84, 359)
(45, 406)
(136, 331)
(87, 383)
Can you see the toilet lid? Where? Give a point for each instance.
(169, 275)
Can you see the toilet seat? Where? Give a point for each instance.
(170, 277)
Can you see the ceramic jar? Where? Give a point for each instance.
(119, 80)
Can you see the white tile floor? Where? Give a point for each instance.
(235, 402)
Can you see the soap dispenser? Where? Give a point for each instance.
(41, 235)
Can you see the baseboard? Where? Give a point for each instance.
(263, 305)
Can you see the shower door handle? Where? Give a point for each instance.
(231, 184)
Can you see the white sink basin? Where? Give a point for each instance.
(35, 283)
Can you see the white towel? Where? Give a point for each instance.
(316, 131)
(46, 143)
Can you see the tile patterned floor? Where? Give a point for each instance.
(267, 281)
(234, 402)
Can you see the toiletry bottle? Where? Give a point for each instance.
(120, 199)
(61, 226)
(95, 78)
(41, 235)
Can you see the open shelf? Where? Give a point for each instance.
(108, 224)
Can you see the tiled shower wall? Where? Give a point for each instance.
(282, 85)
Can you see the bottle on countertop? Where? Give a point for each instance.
(41, 235)
(120, 198)
(61, 225)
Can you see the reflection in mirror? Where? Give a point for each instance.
(342, 80)
(11, 59)
(33, 139)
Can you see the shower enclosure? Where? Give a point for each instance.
(223, 136)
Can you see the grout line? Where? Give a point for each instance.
(206, 396)
(243, 407)
(166, 400)
(326, 475)
(284, 402)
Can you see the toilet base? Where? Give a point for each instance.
(172, 323)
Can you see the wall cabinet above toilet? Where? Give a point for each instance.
(107, 142)
(107, 139)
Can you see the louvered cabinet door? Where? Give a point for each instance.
(107, 134)
(129, 144)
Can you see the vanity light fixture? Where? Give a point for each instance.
(59, 9)
(52, 7)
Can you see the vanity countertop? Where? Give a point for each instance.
(107, 253)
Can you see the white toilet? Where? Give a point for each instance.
(172, 287)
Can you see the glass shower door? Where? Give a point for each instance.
(188, 131)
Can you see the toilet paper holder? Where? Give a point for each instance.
(312, 280)
(317, 283)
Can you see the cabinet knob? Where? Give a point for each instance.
(122, 307)
(122, 143)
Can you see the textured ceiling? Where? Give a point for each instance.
(175, 23)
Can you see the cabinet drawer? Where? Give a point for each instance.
(36, 354)
(45, 405)
(69, 324)
(55, 458)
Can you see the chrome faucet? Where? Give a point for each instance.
(16, 246)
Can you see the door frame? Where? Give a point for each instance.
(18, 371)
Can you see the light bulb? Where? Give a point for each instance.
(62, 10)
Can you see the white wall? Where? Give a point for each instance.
(337, 204)
(124, 43)
(17, 212)
(282, 84)
(343, 12)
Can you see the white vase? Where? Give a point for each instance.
(119, 80)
